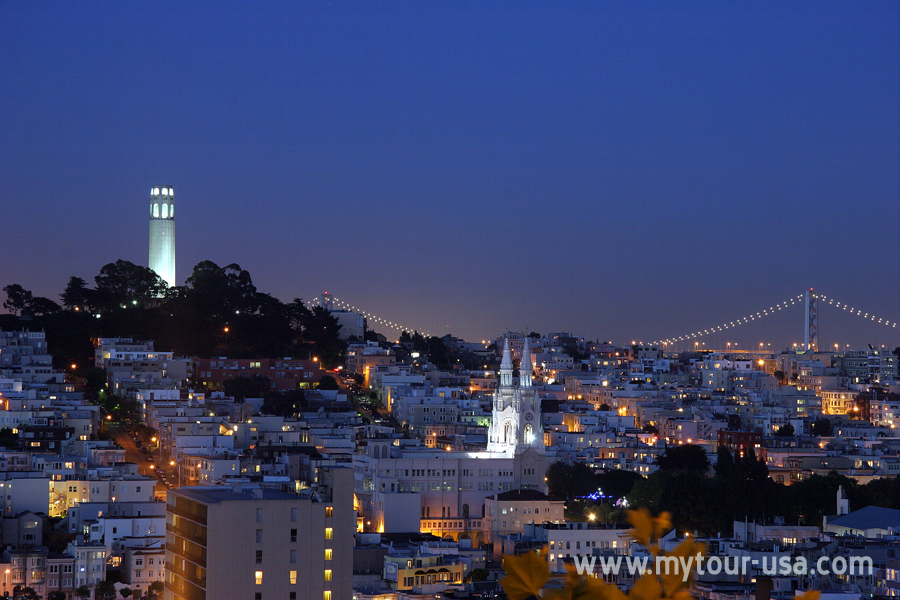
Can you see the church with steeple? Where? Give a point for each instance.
(516, 416)
(443, 491)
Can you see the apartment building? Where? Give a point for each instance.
(261, 543)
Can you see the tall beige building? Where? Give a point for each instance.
(260, 544)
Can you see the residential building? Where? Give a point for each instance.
(255, 542)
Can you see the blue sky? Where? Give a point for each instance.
(620, 170)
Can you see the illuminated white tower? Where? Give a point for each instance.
(516, 418)
(162, 233)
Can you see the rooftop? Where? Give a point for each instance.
(525, 495)
(217, 495)
(870, 517)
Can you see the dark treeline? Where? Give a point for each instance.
(738, 487)
(218, 312)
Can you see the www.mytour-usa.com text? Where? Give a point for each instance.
(730, 565)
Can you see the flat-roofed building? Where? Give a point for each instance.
(246, 542)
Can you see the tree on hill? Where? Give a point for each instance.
(690, 457)
(17, 298)
(123, 284)
(95, 380)
(725, 467)
(241, 388)
(822, 427)
(77, 295)
(437, 352)
(40, 306)
(786, 430)
(327, 382)
(570, 481)
(617, 482)
(283, 404)
(220, 292)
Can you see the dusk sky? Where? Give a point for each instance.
(623, 171)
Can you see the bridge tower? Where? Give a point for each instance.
(811, 323)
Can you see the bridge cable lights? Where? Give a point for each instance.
(771, 311)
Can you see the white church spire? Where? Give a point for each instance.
(506, 366)
(526, 366)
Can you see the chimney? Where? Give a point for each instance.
(843, 504)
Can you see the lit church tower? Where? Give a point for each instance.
(162, 233)
(526, 367)
(516, 418)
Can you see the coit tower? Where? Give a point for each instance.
(162, 233)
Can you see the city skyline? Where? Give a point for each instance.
(617, 172)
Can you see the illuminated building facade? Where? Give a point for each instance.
(162, 233)
(516, 417)
(450, 486)
(253, 542)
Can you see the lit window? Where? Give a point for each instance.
(327, 574)
(328, 554)
(259, 578)
(293, 577)
(326, 595)
(329, 532)
(328, 511)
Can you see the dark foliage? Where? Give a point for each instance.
(742, 488)
(786, 430)
(822, 427)
(190, 320)
(283, 404)
(689, 457)
(570, 481)
(241, 388)
(327, 382)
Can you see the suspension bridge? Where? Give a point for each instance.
(811, 301)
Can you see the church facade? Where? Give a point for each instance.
(516, 416)
(443, 492)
